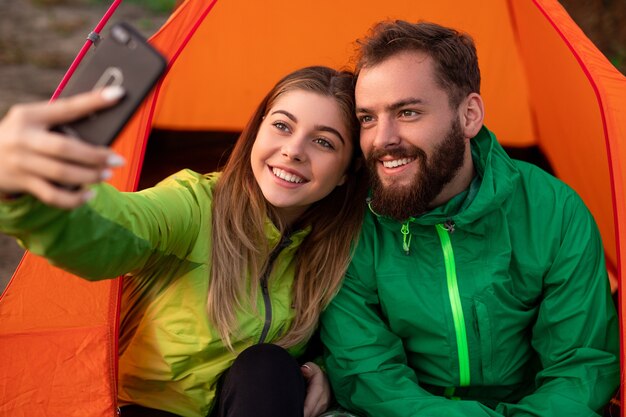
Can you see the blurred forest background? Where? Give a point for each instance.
(39, 39)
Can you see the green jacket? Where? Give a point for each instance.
(170, 355)
(494, 304)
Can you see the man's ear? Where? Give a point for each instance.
(472, 113)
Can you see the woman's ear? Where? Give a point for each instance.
(472, 114)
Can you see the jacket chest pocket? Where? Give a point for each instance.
(502, 346)
(482, 326)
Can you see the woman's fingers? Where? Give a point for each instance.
(72, 150)
(32, 158)
(318, 390)
(42, 178)
(70, 108)
(60, 171)
(57, 158)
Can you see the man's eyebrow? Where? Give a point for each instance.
(286, 113)
(406, 102)
(394, 106)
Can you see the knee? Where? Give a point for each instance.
(264, 380)
(263, 359)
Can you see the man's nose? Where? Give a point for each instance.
(386, 134)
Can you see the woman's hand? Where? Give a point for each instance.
(32, 157)
(318, 392)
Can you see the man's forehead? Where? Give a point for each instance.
(406, 77)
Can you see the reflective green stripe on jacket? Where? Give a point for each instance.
(500, 307)
(170, 355)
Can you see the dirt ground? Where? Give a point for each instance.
(39, 39)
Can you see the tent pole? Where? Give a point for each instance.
(92, 39)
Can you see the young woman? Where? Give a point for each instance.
(226, 273)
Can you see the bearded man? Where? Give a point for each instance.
(478, 287)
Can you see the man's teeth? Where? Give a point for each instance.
(284, 175)
(396, 162)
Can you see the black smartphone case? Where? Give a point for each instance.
(123, 58)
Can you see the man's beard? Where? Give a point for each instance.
(435, 171)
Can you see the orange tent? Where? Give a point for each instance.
(544, 83)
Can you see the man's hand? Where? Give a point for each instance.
(318, 392)
(32, 158)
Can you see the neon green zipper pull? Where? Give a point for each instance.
(406, 241)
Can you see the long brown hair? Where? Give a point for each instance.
(240, 248)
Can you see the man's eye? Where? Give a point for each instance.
(365, 119)
(408, 113)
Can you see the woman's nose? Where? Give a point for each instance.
(293, 149)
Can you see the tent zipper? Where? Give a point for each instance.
(443, 231)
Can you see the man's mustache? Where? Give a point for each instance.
(407, 151)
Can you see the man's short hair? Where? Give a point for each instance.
(453, 53)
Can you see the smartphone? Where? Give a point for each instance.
(123, 58)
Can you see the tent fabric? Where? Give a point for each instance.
(544, 83)
(245, 47)
(578, 103)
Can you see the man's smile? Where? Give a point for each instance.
(397, 162)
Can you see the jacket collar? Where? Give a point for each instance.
(274, 236)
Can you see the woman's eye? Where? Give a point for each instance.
(281, 126)
(325, 143)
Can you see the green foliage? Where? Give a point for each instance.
(619, 61)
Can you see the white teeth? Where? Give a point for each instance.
(287, 176)
(396, 162)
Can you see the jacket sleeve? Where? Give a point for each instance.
(115, 233)
(366, 362)
(576, 332)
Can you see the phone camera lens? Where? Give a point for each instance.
(120, 35)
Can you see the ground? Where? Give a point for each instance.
(39, 39)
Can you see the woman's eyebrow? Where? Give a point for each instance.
(286, 113)
(323, 128)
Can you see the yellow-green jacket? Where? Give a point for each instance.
(170, 355)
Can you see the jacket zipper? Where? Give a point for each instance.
(455, 302)
(267, 301)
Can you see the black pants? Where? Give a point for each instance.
(264, 381)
